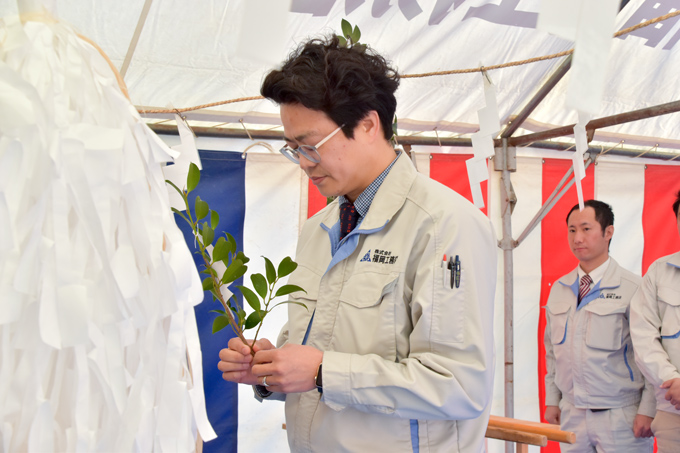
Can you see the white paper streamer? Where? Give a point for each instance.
(477, 173)
(590, 24)
(482, 141)
(97, 286)
(577, 158)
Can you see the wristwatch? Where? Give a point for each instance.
(318, 379)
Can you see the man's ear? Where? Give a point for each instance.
(370, 126)
(609, 232)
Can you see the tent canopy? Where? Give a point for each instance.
(196, 53)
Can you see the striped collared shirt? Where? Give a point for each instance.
(363, 201)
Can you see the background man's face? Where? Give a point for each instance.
(586, 239)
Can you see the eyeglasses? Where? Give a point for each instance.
(311, 153)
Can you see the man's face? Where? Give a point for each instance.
(340, 171)
(586, 239)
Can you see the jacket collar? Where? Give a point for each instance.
(388, 200)
(674, 260)
(610, 279)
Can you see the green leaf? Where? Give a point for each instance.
(208, 235)
(342, 41)
(220, 323)
(241, 316)
(287, 289)
(241, 256)
(253, 320)
(193, 178)
(287, 266)
(214, 219)
(209, 271)
(260, 284)
(235, 270)
(176, 188)
(290, 302)
(271, 272)
(208, 284)
(221, 250)
(219, 312)
(232, 243)
(250, 297)
(356, 34)
(346, 28)
(201, 208)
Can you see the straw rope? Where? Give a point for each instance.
(441, 73)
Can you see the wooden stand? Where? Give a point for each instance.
(525, 433)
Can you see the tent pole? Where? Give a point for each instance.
(550, 203)
(621, 118)
(542, 92)
(508, 163)
(202, 131)
(135, 37)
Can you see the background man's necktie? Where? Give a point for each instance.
(348, 218)
(585, 287)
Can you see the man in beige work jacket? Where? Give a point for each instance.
(592, 385)
(655, 329)
(394, 351)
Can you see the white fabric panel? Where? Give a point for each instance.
(271, 225)
(422, 160)
(527, 289)
(622, 184)
(527, 182)
(497, 402)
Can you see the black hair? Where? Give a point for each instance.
(345, 83)
(676, 205)
(603, 213)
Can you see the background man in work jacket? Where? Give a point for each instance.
(655, 329)
(592, 385)
(395, 350)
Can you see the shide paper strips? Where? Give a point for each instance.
(482, 142)
(97, 287)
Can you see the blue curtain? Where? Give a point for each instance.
(223, 187)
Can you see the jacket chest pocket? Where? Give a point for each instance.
(367, 289)
(366, 317)
(605, 328)
(559, 323)
(669, 306)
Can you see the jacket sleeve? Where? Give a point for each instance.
(448, 372)
(552, 393)
(648, 401)
(645, 330)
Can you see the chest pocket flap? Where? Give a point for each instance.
(605, 324)
(366, 289)
(306, 279)
(559, 316)
(669, 295)
(670, 324)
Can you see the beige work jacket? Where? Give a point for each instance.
(408, 360)
(589, 354)
(655, 325)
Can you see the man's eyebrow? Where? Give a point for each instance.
(297, 139)
(586, 223)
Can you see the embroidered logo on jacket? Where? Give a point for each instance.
(380, 256)
(367, 257)
(609, 296)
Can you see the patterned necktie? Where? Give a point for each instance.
(348, 219)
(585, 287)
